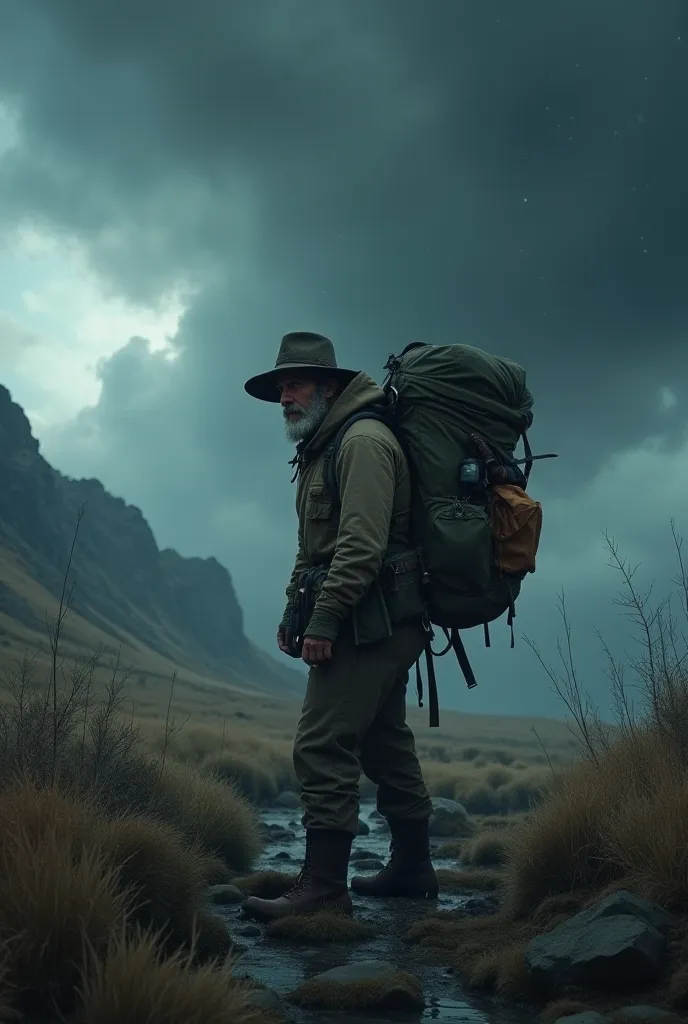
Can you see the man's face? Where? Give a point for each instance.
(305, 403)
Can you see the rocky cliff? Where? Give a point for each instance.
(182, 608)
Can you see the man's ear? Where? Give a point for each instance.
(331, 387)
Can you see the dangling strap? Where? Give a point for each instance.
(432, 689)
(486, 630)
(419, 684)
(462, 658)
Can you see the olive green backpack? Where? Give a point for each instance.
(459, 414)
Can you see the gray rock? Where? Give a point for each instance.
(375, 816)
(361, 854)
(266, 999)
(449, 818)
(278, 834)
(363, 828)
(250, 931)
(623, 902)
(616, 943)
(396, 995)
(586, 1017)
(282, 855)
(371, 864)
(289, 800)
(224, 895)
(646, 1014)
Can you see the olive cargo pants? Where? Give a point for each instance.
(353, 719)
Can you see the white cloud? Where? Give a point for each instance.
(667, 399)
(58, 323)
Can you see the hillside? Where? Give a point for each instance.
(162, 611)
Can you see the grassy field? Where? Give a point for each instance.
(125, 793)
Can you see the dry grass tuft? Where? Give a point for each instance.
(488, 849)
(55, 892)
(397, 992)
(320, 928)
(208, 811)
(267, 885)
(467, 881)
(451, 850)
(505, 972)
(134, 982)
(167, 875)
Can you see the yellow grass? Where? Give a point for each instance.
(134, 982)
(398, 991)
(322, 928)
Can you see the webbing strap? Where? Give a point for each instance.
(462, 658)
(434, 706)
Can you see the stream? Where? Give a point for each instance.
(281, 966)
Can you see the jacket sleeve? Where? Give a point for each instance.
(367, 480)
(300, 565)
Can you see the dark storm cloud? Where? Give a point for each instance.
(506, 174)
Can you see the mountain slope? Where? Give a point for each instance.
(153, 604)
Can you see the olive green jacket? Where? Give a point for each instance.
(374, 511)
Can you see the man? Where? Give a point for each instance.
(354, 713)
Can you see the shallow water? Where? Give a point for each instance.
(282, 966)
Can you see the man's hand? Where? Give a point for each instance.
(316, 651)
(282, 640)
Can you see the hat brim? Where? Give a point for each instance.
(264, 385)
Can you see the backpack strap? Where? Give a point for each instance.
(332, 451)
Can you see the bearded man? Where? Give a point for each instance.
(354, 615)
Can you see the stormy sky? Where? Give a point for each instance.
(181, 184)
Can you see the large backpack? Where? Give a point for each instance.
(459, 414)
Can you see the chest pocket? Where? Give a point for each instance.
(319, 505)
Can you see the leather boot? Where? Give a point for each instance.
(321, 885)
(409, 871)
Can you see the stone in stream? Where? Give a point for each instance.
(617, 943)
(646, 1014)
(288, 799)
(363, 828)
(586, 1017)
(361, 854)
(369, 864)
(225, 895)
(374, 985)
(266, 999)
(277, 834)
(449, 819)
(282, 855)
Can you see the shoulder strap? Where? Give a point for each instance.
(332, 450)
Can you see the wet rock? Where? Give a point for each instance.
(266, 999)
(289, 800)
(477, 905)
(361, 854)
(586, 1017)
(617, 943)
(449, 818)
(370, 864)
(224, 895)
(363, 828)
(278, 834)
(294, 825)
(646, 1014)
(282, 855)
(375, 816)
(249, 931)
(374, 985)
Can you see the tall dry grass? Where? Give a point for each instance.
(106, 850)
(615, 818)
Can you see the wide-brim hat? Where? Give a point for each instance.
(299, 350)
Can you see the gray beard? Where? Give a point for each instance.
(308, 423)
